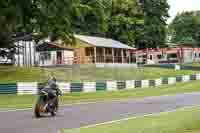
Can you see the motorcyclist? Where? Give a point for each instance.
(52, 89)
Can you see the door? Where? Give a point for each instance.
(59, 57)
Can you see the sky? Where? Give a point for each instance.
(182, 5)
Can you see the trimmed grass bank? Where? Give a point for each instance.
(10, 74)
(27, 101)
(181, 121)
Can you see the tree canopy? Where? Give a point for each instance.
(117, 19)
(185, 28)
(92, 20)
(155, 16)
(41, 18)
(126, 21)
(129, 21)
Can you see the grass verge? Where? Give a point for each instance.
(27, 101)
(193, 64)
(10, 74)
(172, 122)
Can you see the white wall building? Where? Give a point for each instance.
(26, 54)
(49, 54)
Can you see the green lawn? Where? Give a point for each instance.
(10, 74)
(193, 64)
(181, 121)
(27, 101)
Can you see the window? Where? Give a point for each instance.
(172, 55)
(159, 56)
(109, 51)
(195, 55)
(88, 51)
(46, 56)
(151, 57)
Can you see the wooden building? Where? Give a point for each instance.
(87, 50)
(101, 50)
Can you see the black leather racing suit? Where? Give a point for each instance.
(52, 89)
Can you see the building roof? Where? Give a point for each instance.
(103, 42)
(49, 46)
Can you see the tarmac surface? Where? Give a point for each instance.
(78, 115)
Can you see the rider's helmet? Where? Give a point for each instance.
(54, 79)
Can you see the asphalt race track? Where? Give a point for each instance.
(74, 116)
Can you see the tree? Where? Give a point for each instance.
(125, 21)
(117, 19)
(185, 28)
(92, 21)
(155, 16)
(41, 18)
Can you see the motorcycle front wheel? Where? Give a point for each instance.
(38, 107)
(37, 111)
(54, 111)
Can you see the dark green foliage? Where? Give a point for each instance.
(117, 19)
(92, 20)
(185, 28)
(129, 21)
(155, 16)
(41, 18)
(126, 16)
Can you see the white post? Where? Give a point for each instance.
(18, 63)
(30, 54)
(122, 54)
(63, 57)
(25, 54)
(104, 55)
(113, 55)
(34, 53)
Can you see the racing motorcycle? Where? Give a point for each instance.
(46, 104)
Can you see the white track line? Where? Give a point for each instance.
(135, 117)
(15, 110)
